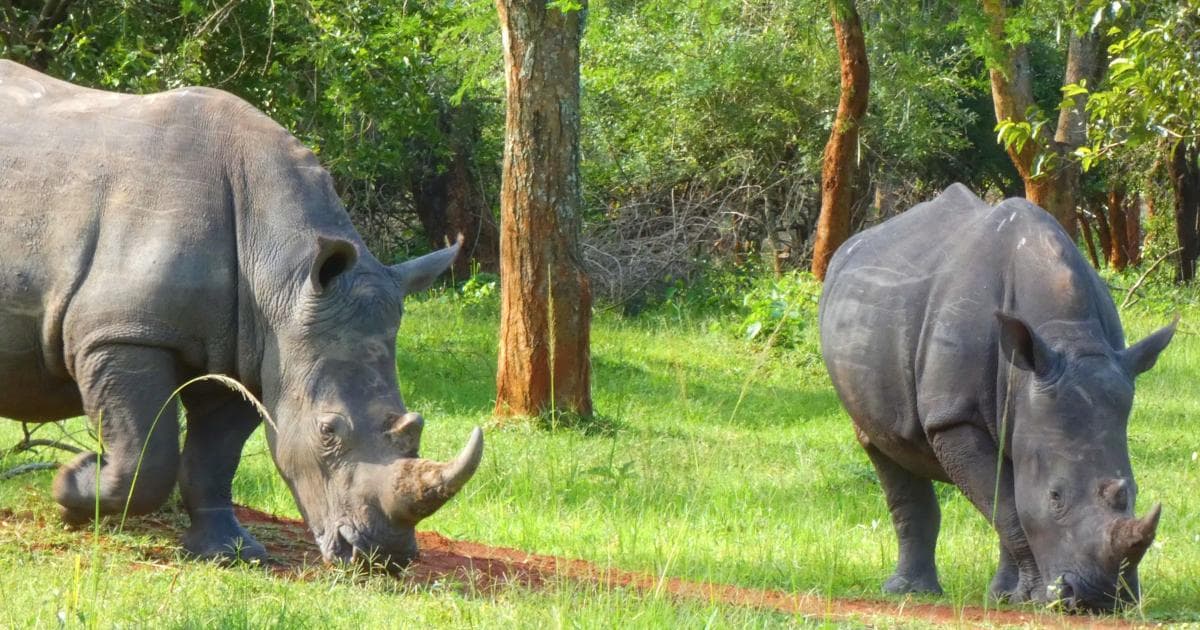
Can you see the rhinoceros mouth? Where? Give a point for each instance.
(346, 544)
(334, 545)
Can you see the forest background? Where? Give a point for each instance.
(703, 122)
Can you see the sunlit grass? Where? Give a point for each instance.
(672, 482)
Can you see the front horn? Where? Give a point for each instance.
(420, 486)
(1132, 536)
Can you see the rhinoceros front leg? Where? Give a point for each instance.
(123, 388)
(917, 519)
(1007, 581)
(968, 455)
(218, 425)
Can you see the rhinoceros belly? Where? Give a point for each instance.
(27, 391)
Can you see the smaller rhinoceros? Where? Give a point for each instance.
(966, 340)
(148, 240)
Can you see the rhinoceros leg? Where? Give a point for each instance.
(917, 519)
(968, 454)
(123, 388)
(218, 425)
(1007, 581)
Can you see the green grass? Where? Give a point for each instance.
(669, 480)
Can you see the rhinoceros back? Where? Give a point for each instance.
(908, 327)
(116, 226)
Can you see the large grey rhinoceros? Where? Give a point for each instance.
(958, 327)
(145, 240)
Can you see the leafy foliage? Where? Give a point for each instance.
(783, 313)
(368, 86)
(1152, 89)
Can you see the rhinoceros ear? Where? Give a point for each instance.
(1021, 345)
(418, 274)
(334, 257)
(1142, 355)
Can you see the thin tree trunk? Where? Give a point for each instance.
(1055, 189)
(838, 164)
(1088, 239)
(1133, 228)
(1118, 256)
(1185, 183)
(1097, 202)
(545, 304)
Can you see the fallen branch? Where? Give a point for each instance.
(27, 468)
(1146, 274)
(26, 445)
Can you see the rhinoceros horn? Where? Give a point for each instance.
(419, 273)
(418, 487)
(1131, 537)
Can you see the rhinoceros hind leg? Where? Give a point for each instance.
(917, 519)
(123, 389)
(219, 422)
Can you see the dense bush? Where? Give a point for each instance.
(703, 121)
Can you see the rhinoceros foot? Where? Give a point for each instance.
(1009, 585)
(218, 536)
(76, 486)
(900, 584)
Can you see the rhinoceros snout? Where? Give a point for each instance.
(347, 546)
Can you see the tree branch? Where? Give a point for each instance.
(1146, 274)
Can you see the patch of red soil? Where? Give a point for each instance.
(487, 568)
(482, 568)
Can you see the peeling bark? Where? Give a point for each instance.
(838, 165)
(545, 304)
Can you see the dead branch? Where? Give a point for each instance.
(1146, 274)
(27, 468)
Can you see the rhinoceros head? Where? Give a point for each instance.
(1074, 485)
(342, 437)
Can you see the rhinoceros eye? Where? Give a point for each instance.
(1056, 503)
(329, 431)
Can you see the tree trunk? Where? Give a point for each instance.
(545, 304)
(838, 162)
(1185, 183)
(451, 203)
(1097, 202)
(1056, 187)
(1088, 239)
(1118, 256)
(1133, 228)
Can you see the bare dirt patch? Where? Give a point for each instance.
(486, 568)
(481, 569)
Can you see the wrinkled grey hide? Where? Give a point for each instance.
(146, 240)
(957, 326)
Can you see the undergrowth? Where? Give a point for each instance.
(716, 455)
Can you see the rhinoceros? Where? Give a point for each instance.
(974, 345)
(147, 240)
